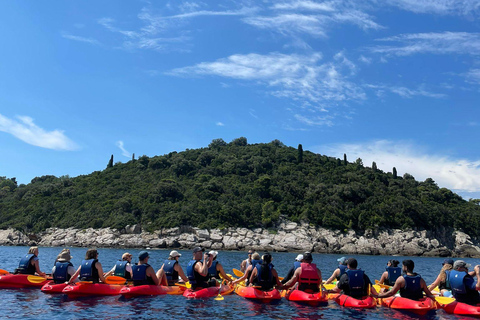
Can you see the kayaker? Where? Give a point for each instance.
(247, 262)
(216, 272)
(442, 280)
(90, 269)
(296, 265)
(342, 268)
(411, 284)
(393, 271)
(143, 273)
(464, 287)
(246, 276)
(63, 269)
(308, 276)
(265, 275)
(197, 271)
(29, 264)
(122, 268)
(354, 282)
(171, 269)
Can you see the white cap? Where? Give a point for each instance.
(299, 257)
(213, 253)
(175, 254)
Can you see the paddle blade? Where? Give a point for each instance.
(36, 279)
(238, 273)
(185, 285)
(219, 297)
(115, 280)
(4, 271)
(444, 300)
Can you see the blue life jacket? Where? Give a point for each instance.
(196, 279)
(296, 265)
(191, 271)
(413, 287)
(140, 275)
(61, 272)
(121, 269)
(88, 272)
(266, 280)
(249, 273)
(393, 274)
(343, 270)
(356, 282)
(25, 266)
(456, 282)
(212, 271)
(169, 269)
(446, 284)
(255, 262)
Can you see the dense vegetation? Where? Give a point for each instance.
(235, 184)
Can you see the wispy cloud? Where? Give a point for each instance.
(315, 120)
(473, 76)
(220, 124)
(120, 145)
(404, 92)
(80, 39)
(27, 131)
(442, 7)
(456, 174)
(436, 43)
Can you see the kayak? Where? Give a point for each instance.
(85, 289)
(175, 290)
(21, 281)
(350, 302)
(421, 307)
(259, 295)
(461, 309)
(52, 287)
(144, 290)
(208, 292)
(302, 297)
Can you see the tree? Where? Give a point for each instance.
(241, 142)
(217, 143)
(394, 171)
(133, 157)
(300, 154)
(345, 159)
(374, 166)
(110, 163)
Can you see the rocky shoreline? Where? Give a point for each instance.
(288, 236)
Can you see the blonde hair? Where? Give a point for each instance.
(443, 274)
(32, 250)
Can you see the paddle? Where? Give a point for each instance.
(381, 285)
(115, 280)
(186, 285)
(444, 300)
(36, 279)
(238, 273)
(3, 271)
(219, 297)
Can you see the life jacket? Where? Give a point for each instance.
(170, 272)
(445, 284)
(309, 280)
(413, 287)
(61, 272)
(140, 275)
(121, 269)
(249, 273)
(212, 271)
(461, 292)
(296, 265)
(264, 276)
(356, 282)
(25, 266)
(196, 279)
(393, 274)
(88, 271)
(343, 270)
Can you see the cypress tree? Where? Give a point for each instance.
(110, 163)
(345, 159)
(133, 157)
(374, 166)
(300, 154)
(394, 171)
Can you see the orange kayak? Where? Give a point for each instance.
(256, 294)
(421, 307)
(10, 280)
(350, 302)
(302, 297)
(83, 289)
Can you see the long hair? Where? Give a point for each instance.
(91, 254)
(443, 274)
(32, 250)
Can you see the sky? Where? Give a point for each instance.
(391, 81)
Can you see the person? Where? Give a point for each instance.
(464, 287)
(122, 268)
(296, 265)
(29, 264)
(442, 280)
(63, 269)
(246, 276)
(216, 272)
(90, 269)
(265, 275)
(143, 273)
(247, 262)
(170, 271)
(393, 271)
(308, 276)
(354, 282)
(342, 268)
(197, 271)
(411, 284)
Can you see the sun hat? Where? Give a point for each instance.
(447, 261)
(175, 254)
(64, 255)
(299, 257)
(126, 255)
(142, 255)
(198, 249)
(213, 253)
(461, 264)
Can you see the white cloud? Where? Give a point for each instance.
(457, 174)
(80, 39)
(305, 5)
(315, 120)
(436, 43)
(473, 76)
(220, 124)
(120, 145)
(365, 59)
(443, 7)
(27, 131)
(404, 92)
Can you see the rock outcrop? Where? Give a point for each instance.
(288, 236)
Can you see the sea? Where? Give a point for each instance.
(33, 304)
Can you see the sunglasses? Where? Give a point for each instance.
(250, 253)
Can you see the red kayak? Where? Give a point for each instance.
(52, 287)
(256, 294)
(313, 299)
(350, 302)
(21, 281)
(421, 307)
(144, 290)
(202, 293)
(83, 289)
(461, 309)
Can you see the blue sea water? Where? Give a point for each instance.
(33, 304)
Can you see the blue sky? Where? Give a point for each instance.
(391, 81)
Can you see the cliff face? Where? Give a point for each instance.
(289, 236)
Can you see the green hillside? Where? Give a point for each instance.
(235, 184)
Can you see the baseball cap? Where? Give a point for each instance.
(342, 260)
(299, 257)
(461, 264)
(213, 253)
(175, 254)
(142, 255)
(447, 261)
(197, 249)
